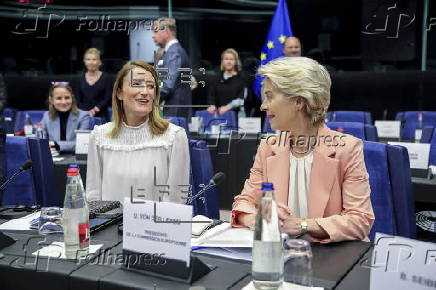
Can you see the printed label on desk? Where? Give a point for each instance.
(249, 125)
(82, 141)
(401, 263)
(388, 129)
(418, 153)
(151, 227)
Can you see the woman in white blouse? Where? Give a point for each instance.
(139, 155)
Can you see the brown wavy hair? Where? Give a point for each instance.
(52, 112)
(157, 124)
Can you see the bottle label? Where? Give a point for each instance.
(84, 235)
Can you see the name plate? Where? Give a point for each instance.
(418, 153)
(82, 141)
(151, 227)
(249, 125)
(388, 129)
(401, 263)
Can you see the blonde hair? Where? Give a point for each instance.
(235, 55)
(92, 50)
(303, 77)
(157, 124)
(52, 112)
(166, 23)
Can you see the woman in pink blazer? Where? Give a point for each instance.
(319, 175)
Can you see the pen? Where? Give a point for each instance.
(196, 248)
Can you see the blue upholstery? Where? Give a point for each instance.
(409, 121)
(267, 126)
(376, 161)
(371, 133)
(432, 157)
(7, 117)
(353, 128)
(427, 134)
(44, 173)
(179, 121)
(228, 118)
(95, 121)
(402, 193)
(35, 116)
(3, 167)
(350, 116)
(21, 190)
(202, 172)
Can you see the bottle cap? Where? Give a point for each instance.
(72, 171)
(267, 186)
(73, 166)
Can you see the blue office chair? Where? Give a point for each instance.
(179, 121)
(267, 126)
(95, 121)
(22, 189)
(44, 173)
(35, 116)
(409, 122)
(376, 161)
(427, 134)
(402, 193)
(7, 120)
(350, 116)
(3, 167)
(202, 172)
(228, 118)
(432, 154)
(352, 128)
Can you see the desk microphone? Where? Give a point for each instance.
(214, 181)
(26, 165)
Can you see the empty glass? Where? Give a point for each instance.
(50, 220)
(298, 257)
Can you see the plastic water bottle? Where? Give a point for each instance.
(76, 216)
(40, 133)
(28, 127)
(419, 126)
(267, 266)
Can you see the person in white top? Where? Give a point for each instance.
(139, 155)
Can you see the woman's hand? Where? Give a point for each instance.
(247, 220)
(292, 226)
(94, 111)
(211, 109)
(224, 109)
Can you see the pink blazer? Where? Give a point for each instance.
(339, 192)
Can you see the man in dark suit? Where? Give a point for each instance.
(176, 89)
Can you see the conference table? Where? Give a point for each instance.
(335, 266)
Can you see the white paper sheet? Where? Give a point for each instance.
(285, 286)
(57, 250)
(20, 224)
(225, 236)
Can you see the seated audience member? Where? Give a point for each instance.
(94, 86)
(63, 117)
(319, 175)
(227, 93)
(138, 154)
(292, 47)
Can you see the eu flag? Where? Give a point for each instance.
(279, 30)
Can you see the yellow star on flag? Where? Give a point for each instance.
(262, 56)
(270, 44)
(282, 38)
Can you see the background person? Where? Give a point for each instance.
(321, 189)
(94, 86)
(292, 46)
(138, 151)
(63, 117)
(227, 92)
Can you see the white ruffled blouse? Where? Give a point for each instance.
(299, 181)
(138, 165)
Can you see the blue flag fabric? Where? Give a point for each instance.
(279, 30)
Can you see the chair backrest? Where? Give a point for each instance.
(267, 126)
(376, 161)
(21, 190)
(432, 154)
(3, 167)
(353, 128)
(35, 117)
(371, 133)
(427, 134)
(228, 118)
(202, 172)
(409, 121)
(95, 121)
(402, 193)
(7, 121)
(179, 121)
(350, 116)
(44, 173)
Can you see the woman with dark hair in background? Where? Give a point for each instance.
(63, 117)
(229, 90)
(94, 86)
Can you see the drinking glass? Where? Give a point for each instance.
(298, 257)
(50, 221)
